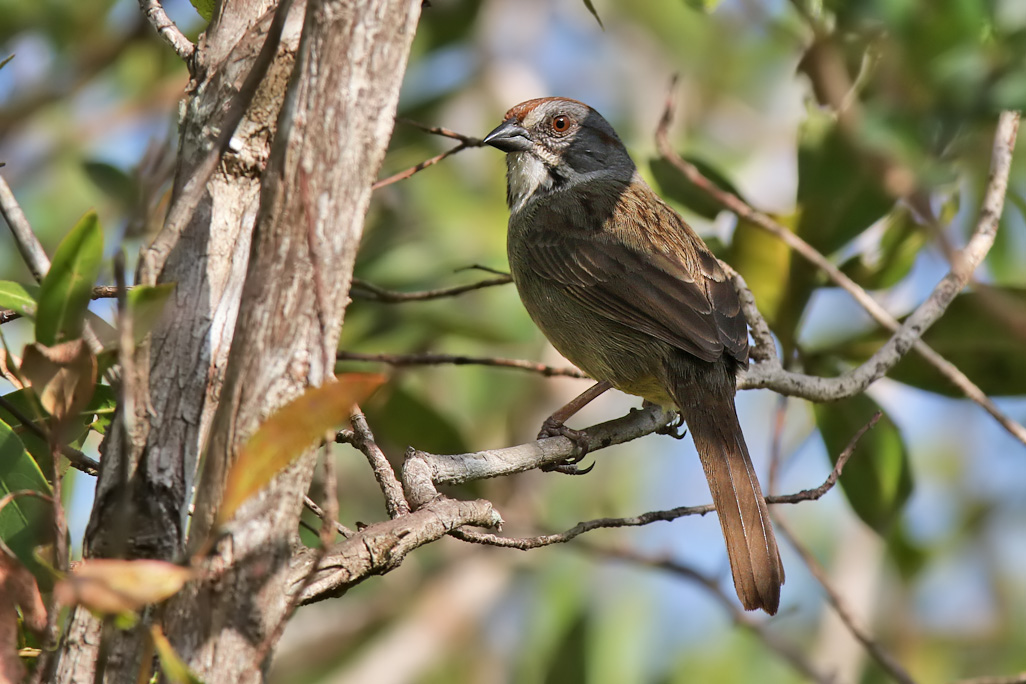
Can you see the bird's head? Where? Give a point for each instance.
(554, 143)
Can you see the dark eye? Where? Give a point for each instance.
(560, 124)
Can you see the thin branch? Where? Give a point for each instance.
(442, 359)
(465, 142)
(886, 661)
(29, 246)
(526, 543)
(406, 173)
(319, 512)
(760, 628)
(362, 438)
(907, 335)
(32, 250)
(167, 30)
(382, 546)
(181, 210)
(468, 140)
(835, 474)
(361, 289)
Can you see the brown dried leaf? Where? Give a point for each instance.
(17, 589)
(290, 432)
(114, 587)
(63, 376)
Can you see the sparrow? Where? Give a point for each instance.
(624, 288)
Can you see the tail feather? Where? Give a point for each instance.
(740, 505)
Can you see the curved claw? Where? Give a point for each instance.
(568, 468)
(554, 428)
(675, 428)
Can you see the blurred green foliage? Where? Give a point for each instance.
(91, 92)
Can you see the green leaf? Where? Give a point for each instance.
(26, 402)
(838, 194)
(902, 240)
(25, 522)
(205, 8)
(145, 305)
(17, 297)
(674, 185)
(407, 419)
(113, 182)
(981, 333)
(289, 432)
(877, 481)
(174, 668)
(702, 5)
(594, 13)
(66, 289)
(764, 262)
(5, 60)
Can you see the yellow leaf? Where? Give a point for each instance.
(289, 432)
(176, 671)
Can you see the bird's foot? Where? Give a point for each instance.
(554, 428)
(675, 428)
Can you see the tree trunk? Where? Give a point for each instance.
(307, 210)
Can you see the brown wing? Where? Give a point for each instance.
(652, 291)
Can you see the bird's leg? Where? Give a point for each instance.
(554, 426)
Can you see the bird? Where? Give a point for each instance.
(624, 289)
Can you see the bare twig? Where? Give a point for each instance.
(362, 438)
(835, 474)
(361, 289)
(32, 250)
(26, 240)
(907, 335)
(319, 512)
(167, 29)
(759, 628)
(465, 142)
(406, 173)
(872, 646)
(382, 546)
(526, 543)
(468, 140)
(442, 359)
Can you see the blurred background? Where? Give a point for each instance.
(927, 541)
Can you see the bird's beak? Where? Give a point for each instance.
(509, 137)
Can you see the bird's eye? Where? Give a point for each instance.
(560, 124)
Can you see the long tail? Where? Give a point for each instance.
(740, 505)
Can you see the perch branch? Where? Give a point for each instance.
(526, 543)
